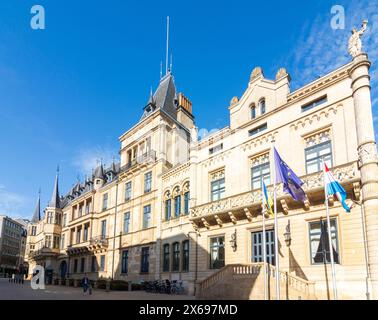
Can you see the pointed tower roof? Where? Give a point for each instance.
(55, 199)
(164, 97)
(37, 211)
(151, 100)
(99, 172)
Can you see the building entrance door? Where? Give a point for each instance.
(257, 246)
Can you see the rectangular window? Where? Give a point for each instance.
(315, 154)
(86, 227)
(148, 182)
(75, 265)
(102, 263)
(64, 220)
(167, 209)
(259, 173)
(87, 206)
(103, 229)
(93, 264)
(145, 260)
(49, 217)
(125, 261)
(185, 255)
(80, 210)
(56, 242)
(314, 103)
(217, 255)
(257, 130)
(177, 206)
(104, 202)
(78, 235)
(217, 189)
(126, 222)
(186, 203)
(146, 217)
(176, 257)
(82, 265)
(319, 242)
(62, 241)
(257, 246)
(48, 242)
(34, 230)
(216, 148)
(128, 191)
(166, 258)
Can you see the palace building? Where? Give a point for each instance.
(182, 208)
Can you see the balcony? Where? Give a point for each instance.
(248, 204)
(138, 162)
(98, 243)
(42, 253)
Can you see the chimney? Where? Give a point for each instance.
(184, 102)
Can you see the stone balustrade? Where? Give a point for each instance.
(346, 173)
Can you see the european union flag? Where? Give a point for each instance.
(291, 183)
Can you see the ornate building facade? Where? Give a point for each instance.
(180, 207)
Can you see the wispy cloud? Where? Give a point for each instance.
(321, 49)
(11, 203)
(86, 159)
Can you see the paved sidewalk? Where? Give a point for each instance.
(15, 291)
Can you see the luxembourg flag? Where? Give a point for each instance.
(334, 188)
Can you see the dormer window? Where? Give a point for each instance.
(262, 106)
(110, 177)
(253, 111)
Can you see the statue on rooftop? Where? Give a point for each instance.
(355, 44)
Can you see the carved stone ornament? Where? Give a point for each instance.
(234, 100)
(281, 73)
(367, 153)
(354, 43)
(255, 73)
(217, 175)
(317, 138)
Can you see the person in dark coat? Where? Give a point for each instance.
(85, 283)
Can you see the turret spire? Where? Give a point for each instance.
(37, 211)
(55, 199)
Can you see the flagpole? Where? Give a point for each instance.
(264, 255)
(276, 257)
(329, 238)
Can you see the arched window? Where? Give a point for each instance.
(167, 209)
(262, 106)
(253, 111)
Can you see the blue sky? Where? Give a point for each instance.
(68, 92)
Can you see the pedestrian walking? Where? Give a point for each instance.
(85, 283)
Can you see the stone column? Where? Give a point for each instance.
(367, 158)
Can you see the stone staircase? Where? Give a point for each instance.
(246, 281)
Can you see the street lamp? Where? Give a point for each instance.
(287, 235)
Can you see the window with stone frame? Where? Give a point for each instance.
(319, 243)
(318, 147)
(176, 256)
(260, 171)
(167, 205)
(145, 260)
(128, 191)
(185, 255)
(217, 252)
(125, 261)
(166, 255)
(217, 185)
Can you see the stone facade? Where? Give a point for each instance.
(182, 208)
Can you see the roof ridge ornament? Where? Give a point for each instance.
(256, 72)
(354, 43)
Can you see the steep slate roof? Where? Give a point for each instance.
(99, 172)
(55, 199)
(37, 211)
(164, 98)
